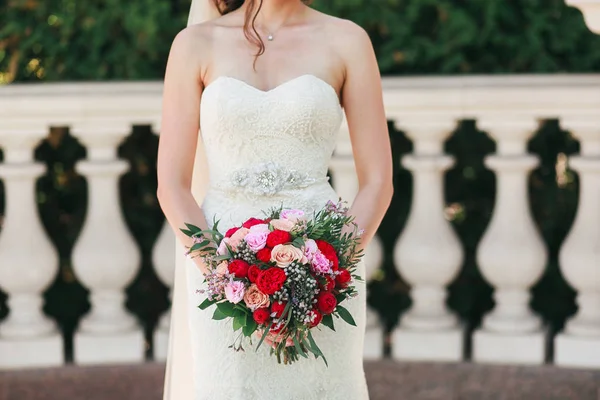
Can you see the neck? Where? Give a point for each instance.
(274, 13)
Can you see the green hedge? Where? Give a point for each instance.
(57, 40)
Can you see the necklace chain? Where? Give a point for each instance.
(271, 34)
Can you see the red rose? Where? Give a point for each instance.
(264, 255)
(343, 278)
(253, 273)
(278, 308)
(271, 280)
(278, 237)
(261, 315)
(252, 221)
(329, 283)
(239, 268)
(328, 251)
(231, 231)
(317, 320)
(326, 302)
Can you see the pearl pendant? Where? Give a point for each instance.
(270, 38)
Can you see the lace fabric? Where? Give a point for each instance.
(268, 149)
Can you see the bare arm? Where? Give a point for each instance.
(179, 134)
(363, 102)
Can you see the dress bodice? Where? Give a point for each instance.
(267, 147)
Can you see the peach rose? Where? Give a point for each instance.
(237, 237)
(254, 298)
(283, 224)
(284, 254)
(222, 268)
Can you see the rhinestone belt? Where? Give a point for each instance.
(269, 178)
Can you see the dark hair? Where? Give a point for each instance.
(227, 6)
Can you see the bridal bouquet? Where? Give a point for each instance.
(279, 277)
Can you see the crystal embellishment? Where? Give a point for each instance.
(269, 178)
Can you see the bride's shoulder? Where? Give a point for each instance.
(195, 41)
(345, 36)
(200, 33)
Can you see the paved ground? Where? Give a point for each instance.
(387, 381)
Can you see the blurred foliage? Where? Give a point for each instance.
(474, 36)
(57, 40)
(111, 39)
(86, 40)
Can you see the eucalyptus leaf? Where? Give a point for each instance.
(345, 315)
(328, 321)
(262, 338)
(299, 347)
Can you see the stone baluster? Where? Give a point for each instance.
(511, 255)
(579, 344)
(28, 261)
(346, 185)
(428, 253)
(105, 256)
(163, 256)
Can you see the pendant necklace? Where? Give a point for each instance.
(271, 34)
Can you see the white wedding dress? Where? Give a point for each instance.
(266, 149)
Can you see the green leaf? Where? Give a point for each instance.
(298, 242)
(262, 339)
(226, 308)
(316, 348)
(241, 314)
(218, 315)
(328, 321)
(345, 314)
(206, 303)
(186, 232)
(198, 246)
(298, 347)
(250, 326)
(238, 323)
(193, 228)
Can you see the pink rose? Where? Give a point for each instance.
(310, 249)
(237, 237)
(283, 224)
(320, 263)
(256, 240)
(292, 215)
(260, 228)
(234, 291)
(284, 254)
(254, 298)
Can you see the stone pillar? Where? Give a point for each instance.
(428, 254)
(28, 260)
(579, 344)
(105, 256)
(511, 255)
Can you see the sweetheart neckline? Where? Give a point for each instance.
(275, 88)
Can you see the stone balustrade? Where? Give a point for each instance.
(428, 254)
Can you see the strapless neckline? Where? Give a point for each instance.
(278, 87)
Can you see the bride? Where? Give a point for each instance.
(267, 84)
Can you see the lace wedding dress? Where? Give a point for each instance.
(265, 149)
